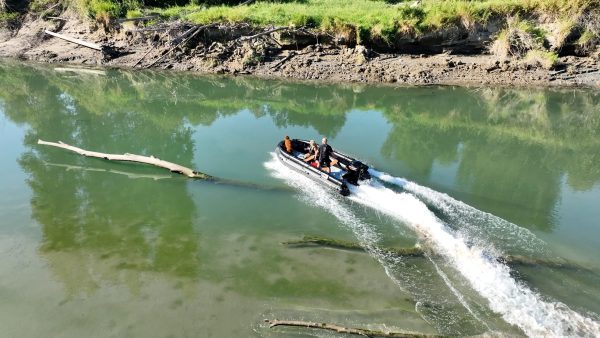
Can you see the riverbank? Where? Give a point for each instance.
(448, 55)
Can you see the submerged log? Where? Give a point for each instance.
(340, 329)
(69, 167)
(347, 245)
(511, 260)
(175, 168)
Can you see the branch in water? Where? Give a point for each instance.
(512, 260)
(346, 245)
(175, 168)
(340, 329)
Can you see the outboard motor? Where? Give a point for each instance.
(362, 170)
(357, 171)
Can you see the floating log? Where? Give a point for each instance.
(74, 40)
(340, 329)
(175, 168)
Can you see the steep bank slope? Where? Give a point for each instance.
(526, 49)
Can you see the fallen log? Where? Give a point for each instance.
(511, 260)
(183, 36)
(251, 37)
(196, 30)
(56, 18)
(340, 329)
(74, 40)
(143, 56)
(282, 61)
(175, 168)
(347, 245)
(141, 18)
(69, 167)
(80, 70)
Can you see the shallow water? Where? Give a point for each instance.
(93, 248)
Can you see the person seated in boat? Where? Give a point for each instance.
(287, 144)
(324, 156)
(313, 152)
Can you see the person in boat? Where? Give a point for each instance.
(324, 153)
(287, 144)
(313, 152)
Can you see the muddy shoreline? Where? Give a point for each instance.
(328, 62)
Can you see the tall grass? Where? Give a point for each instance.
(375, 18)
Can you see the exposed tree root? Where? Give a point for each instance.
(340, 329)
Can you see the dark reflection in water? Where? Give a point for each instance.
(513, 147)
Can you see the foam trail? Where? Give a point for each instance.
(477, 225)
(516, 303)
(368, 238)
(458, 295)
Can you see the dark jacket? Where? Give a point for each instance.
(324, 153)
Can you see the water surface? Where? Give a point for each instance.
(94, 248)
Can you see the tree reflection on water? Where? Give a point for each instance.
(538, 137)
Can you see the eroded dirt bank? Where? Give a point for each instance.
(293, 54)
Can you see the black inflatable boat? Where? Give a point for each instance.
(346, 171)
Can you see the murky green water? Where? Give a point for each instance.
(92, 248)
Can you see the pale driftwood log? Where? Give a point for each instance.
(74, 40)
(340, 329)
(80, 70)
(175, 168)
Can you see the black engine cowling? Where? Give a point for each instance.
(357, 171)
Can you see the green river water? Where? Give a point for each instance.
(91, 248)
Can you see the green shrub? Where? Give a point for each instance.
(9, 19)
(541, 58)
(519, 37)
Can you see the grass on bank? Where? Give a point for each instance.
(375, 16)
(375, 20)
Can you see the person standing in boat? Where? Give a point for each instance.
(324, 153)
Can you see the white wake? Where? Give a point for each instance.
(516, 303)
(315, 194)
(500, 233)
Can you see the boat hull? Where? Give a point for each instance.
(330, 181)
